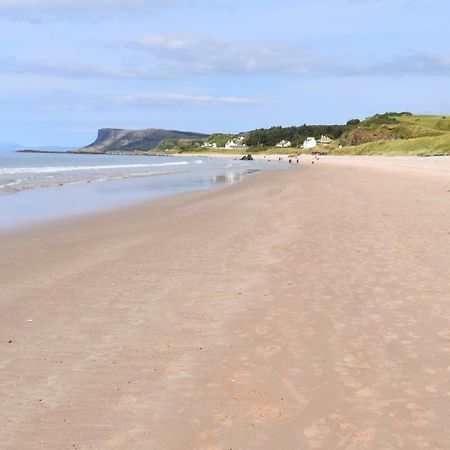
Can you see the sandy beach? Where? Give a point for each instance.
(300, 309)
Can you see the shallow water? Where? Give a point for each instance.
(39, 187)
(19, 171)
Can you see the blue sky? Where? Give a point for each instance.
(69, 67)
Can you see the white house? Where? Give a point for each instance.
(309, 143)
(236, 145)
(208, 145)
(284, 144)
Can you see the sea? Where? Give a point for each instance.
(36, 187)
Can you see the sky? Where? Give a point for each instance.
(69, 67)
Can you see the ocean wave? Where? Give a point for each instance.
(58, 169)
(23, 184)
(11, 183)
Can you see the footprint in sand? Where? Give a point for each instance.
(223, 418)
(267, 352)
(420, 415)
(241, 377)
(362, 437)
(335, 416)
(316, 433)
(208, 434)
(445, 334)
(351, 383)
(366, 392)
(262, 330)
(162, 347)
(129, 399)
(264, 411)
(114, 442)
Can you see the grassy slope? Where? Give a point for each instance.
(423, 135)
(428, 135)
(432, 145)
(441, 123)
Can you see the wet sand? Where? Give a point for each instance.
(302, 309)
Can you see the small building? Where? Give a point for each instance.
(209, 145)
(236, 145)
(324, 140)
(284, 144)
(309, 143)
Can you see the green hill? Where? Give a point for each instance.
(398, 134)
(423, 146)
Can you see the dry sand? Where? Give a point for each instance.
(303, 309)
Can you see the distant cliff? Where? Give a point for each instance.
(110, 139)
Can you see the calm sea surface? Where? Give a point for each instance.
(36, 187)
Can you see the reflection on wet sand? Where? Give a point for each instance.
(227, 178)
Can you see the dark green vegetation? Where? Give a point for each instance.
(270, 137)
(179, 145)
(220, 139)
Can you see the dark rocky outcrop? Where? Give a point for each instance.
(119, 140)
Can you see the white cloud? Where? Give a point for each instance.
(170, 98)
(62, 100)
(415, 64)
(44, 9)
(56, 68)
(197, 54)
(175, 56)
(419, 64)
(170, 42)
(63, 5)
(70, 69)
(179, 55)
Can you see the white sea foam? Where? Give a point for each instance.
(58, 169)
(11, 183)
(24, 183)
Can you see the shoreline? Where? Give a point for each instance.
(41, 205)
(119, 210)
(257, 156)
(295, 309)
(436, 166)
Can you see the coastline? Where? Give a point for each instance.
(53, 189)
(295, 309)
(99, 207)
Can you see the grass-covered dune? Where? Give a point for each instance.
(423, 146)
(397, 134)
